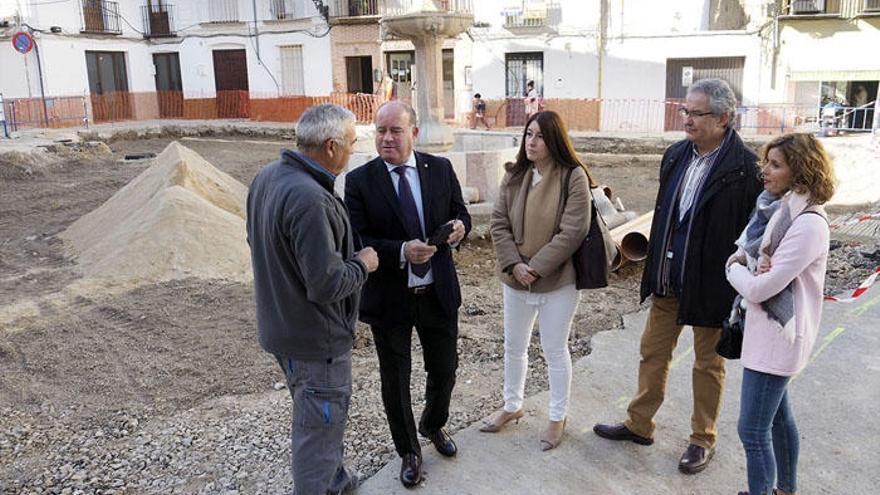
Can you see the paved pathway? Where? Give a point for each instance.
(836, 400)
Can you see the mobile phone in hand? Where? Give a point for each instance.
(440, 235)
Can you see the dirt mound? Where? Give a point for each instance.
(855, 165)
(180, 217)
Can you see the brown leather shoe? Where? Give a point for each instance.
(411, 470)
(620, 432)
(695, 459)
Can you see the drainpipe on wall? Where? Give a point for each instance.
(256, 31)
(600, 49)
(42, 85)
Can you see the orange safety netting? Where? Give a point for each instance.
(57, 112)
(580, 114)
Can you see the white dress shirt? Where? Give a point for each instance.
(696, 174)
(415, 185)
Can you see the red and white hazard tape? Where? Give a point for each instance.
(872, 216)
(858, 292)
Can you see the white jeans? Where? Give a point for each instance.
(554, 311)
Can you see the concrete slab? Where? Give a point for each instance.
(835, 402)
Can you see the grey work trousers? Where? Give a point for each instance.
(321, 392)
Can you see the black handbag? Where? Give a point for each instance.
(593, 258)
(731, 342)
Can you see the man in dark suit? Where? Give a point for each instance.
(396, 202)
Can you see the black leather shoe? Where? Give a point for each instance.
(620, 432)
(411, 470)
(442, 442)
(695, 459)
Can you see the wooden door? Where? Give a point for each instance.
(231, 82)
(169, 89)
(108, 86)
(93, 16)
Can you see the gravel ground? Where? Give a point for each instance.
(163, 389)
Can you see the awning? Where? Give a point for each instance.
(835, 75)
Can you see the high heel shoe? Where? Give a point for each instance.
(499, 419)
(552, 436)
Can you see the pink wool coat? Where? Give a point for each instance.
(800, 259)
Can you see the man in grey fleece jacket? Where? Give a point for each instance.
(307, 282)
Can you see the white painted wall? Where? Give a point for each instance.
(642, 35)
(816, 45)
(63, 55)
(568, 45)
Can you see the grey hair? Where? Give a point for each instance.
(721, 98)
(413, 120)
(322, 122)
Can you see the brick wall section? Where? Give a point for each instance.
(355, 40)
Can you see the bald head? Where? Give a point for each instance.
(396, 106)
(396, 131)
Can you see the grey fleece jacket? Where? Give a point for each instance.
(307, 281)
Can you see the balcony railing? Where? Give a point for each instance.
(283, 9)
(100, 17)
(220, 11)
(158, 20)
(404, 7)
(534, 16)
(813, 7)
(354, 8)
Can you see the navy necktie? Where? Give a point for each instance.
(410, 217)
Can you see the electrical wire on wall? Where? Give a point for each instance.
(179, 38)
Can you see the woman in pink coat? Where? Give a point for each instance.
(779, 272)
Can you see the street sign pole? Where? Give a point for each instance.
(23, 42)
(3, 118)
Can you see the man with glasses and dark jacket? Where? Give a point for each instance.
(708, 186)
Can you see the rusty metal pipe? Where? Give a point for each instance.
(632, 240)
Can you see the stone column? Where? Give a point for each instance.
(434, 134)
(427, 30)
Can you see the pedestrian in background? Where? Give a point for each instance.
(479, 111)
(708, 186)
(531, 100)
(779, 271)
(536, 230)
(307, 283)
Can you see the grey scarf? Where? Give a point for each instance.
(757, 246)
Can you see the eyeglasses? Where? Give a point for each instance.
(685, 113)
(340, 143)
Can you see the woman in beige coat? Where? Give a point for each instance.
(536, 230)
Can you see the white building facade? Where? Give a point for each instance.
(197, 47)
(606, 64)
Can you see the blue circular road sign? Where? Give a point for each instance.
(22, 42)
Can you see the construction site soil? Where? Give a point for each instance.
(162, 387)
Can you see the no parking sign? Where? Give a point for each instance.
(23, 42)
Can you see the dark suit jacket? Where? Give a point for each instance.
(721, 213)
(376, 216)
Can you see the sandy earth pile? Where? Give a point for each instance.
(181, 217)
(855, 164)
